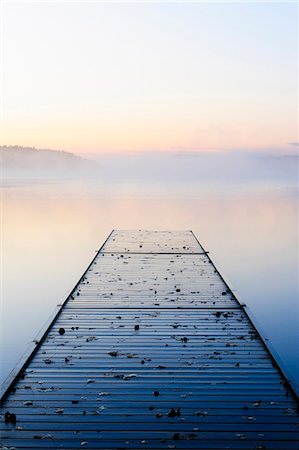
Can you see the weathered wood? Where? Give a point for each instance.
(151, 350)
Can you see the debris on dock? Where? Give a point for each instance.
(151, 350)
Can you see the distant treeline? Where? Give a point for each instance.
(17, 161)
(151, 167)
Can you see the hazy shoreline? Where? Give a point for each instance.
(19, 163)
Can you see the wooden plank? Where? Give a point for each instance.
(151, 350)
(144, 241)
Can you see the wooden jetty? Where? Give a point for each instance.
(151, 350)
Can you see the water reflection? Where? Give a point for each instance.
(52, 229)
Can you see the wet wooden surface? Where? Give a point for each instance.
(151, 350)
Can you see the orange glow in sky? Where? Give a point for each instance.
(93, 77)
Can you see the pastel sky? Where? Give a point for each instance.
(93, 77)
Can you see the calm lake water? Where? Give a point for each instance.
(248, 221)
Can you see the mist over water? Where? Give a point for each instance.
(242, 207)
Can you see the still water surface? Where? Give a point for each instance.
(51, 230)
